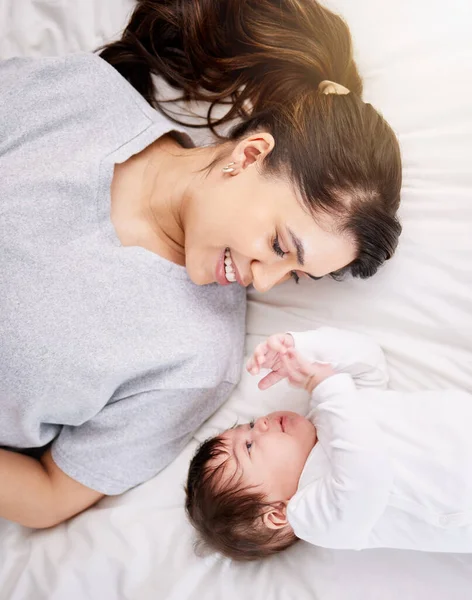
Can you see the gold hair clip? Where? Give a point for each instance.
(331, 87)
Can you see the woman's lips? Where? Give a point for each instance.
(224, 270)
(220, 270)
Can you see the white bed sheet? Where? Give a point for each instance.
(416, 58)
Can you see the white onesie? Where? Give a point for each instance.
(390, 469)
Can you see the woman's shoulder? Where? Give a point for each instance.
(78, 102)
(91, 67)
(81, 81)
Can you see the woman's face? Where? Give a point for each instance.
(257, 226)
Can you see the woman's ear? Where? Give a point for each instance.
(251, 150)
(276, 517)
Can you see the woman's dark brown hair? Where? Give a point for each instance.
(267, 58)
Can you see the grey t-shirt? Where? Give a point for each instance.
(109, 352)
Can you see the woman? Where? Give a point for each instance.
(126, 250)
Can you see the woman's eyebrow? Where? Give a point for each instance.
(299, 247)
(300, 252)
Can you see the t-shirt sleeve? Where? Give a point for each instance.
(60, 99)
(23, 82)
(130, 440)
(19, 73)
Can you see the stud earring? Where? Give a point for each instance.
(229, 168)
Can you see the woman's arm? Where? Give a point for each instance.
(37, 493)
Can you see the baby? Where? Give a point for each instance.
(366, 468)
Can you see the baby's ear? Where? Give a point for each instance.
(276, 516)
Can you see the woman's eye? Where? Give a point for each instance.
(276, 247)
(248, 446)
(295, 276)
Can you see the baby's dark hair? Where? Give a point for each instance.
(229, 517)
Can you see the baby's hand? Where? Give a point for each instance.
(304, 374)
(268, 355)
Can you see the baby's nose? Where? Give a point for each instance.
(262, 424)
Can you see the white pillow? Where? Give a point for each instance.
(54, 27)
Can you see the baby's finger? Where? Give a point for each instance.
(253, 364)
(260, 353)
(271, 379)
(304, 366)
(261, 357)
(292, 368)
(252, 367)
(276, 343)
(270, 358)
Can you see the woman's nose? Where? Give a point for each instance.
(264, 277)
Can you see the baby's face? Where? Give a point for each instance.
(270, 453)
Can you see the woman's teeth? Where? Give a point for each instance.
(229, 269)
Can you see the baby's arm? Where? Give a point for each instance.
(338, 506)
(347, 352)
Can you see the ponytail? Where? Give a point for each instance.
(252, 53)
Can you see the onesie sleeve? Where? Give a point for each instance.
(337, 505)
(348, 352)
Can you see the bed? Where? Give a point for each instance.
(416, 59)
